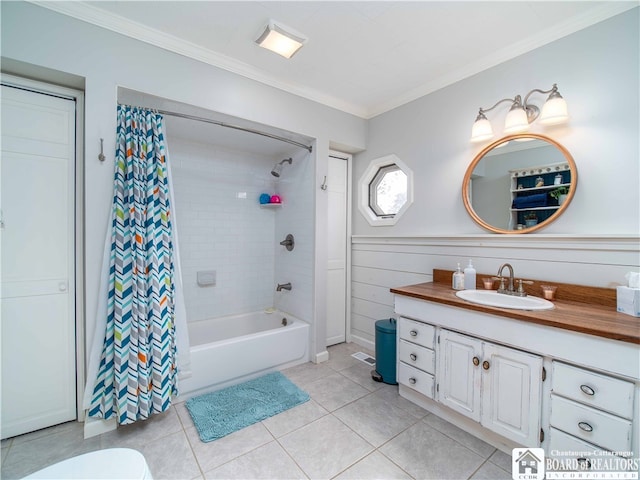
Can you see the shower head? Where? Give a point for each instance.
(277, 168)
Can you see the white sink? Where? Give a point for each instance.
(494, 299)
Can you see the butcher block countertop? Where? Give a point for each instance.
(590, 310)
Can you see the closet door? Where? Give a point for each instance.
(37, 291)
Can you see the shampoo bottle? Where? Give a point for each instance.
(469, 277)
(458, 280)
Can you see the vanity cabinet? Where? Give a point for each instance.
(591, 409)
(498, 386)
(416, 356)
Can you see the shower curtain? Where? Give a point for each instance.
(134, 375)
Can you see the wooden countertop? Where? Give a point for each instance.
(591, 318)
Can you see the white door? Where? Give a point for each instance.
(37, 290)
(337, 251)
(512, 389)
(459, 376)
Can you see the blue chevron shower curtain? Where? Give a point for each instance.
(137, 371)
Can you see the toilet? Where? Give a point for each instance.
(112, 463)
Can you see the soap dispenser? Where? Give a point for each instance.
(469, 277)
(458, 280)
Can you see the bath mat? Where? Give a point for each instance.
(220, 413)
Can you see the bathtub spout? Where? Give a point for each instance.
(283, 286)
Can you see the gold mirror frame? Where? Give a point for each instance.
(467, 179)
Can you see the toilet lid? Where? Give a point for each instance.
(112, 463)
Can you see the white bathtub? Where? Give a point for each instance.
(228, 350)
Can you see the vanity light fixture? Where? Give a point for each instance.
(521, 114)
(280, 39)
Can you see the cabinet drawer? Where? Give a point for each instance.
(417, 356)
(570, 449)
(590, 425)
(417, 332)
(599, 391)
(416, 379)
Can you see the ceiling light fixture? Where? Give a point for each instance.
(280, 39)
(521, 114)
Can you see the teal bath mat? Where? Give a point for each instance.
(220, 413)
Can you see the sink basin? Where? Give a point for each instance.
(494, 299)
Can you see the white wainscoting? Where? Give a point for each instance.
(379, 263)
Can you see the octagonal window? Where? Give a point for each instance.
(385, 190)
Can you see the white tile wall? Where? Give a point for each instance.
(234, 236)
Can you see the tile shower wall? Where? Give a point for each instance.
(296, 216)
(222, 228)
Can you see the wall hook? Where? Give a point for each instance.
(101, 156)
(324, 184)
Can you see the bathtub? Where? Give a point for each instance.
(229, 350)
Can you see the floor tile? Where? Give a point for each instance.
(170, 457)
(471, 442)
(425, 453)
(213, 454)
(139, 433)
(361, 374)
(27, 457)
(325, 447)
(264, 463)
(390, 394)
(373, 467)
(490, 471)
(62, 427)
(340, 356)
(335, 391)
(306, 373)
(294, 418)
(374, 419)
(501, 459)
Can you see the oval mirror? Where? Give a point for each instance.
(519, 183)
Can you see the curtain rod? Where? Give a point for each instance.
(235, 127)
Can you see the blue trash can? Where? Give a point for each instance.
(385, 352)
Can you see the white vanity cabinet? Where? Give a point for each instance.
(591, 409)
(498, 386)
(516, 383)
(416, 356)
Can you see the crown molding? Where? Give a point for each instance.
(90, 14)
(93, 15)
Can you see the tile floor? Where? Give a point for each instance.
(352, 428)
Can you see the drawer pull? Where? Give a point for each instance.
(412, 381)
(584, 426)
(413, 357)
(485, 365)
(587, 390)
(584, 463)
(476, 361)
(413, 333)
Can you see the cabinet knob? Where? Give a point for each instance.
(476, 361)
(413, 357)
(485, 365)
(413, 333)
(587, 390)
(584, 426)
(412, 381)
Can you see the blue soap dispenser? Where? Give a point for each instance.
(469, 277)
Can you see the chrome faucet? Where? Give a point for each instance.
(283, 286)
(509, 290)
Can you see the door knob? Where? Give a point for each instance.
(413, 357)
(485, 365)
(476, 361)
(62, 286)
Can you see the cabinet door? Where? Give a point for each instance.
(458, 377)
(511, 393)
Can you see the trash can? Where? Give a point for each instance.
(385, 352)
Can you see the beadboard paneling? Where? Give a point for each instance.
(380, 263)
